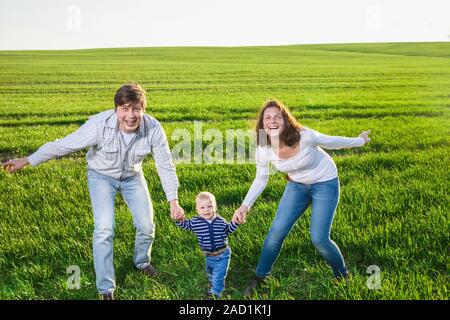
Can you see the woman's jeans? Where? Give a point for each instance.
(323, 196)
(103, 190)
(217, 268)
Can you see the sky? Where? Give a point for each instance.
(83, 24)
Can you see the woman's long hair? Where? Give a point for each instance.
(291, 132)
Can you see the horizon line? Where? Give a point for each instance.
(224, 46)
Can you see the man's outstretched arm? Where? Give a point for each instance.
(166, 171)
(85, 136)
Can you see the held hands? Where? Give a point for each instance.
(365, 136)
(176, 212)
(240, 215)
(15, 164)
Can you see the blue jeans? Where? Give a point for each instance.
(103, 190)
(323, 196)
(217, 268)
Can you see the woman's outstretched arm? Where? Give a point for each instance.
(257, 187)
(336, 142)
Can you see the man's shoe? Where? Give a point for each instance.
(256, 282)
(107, 296)
(149, 271)
(212, 296)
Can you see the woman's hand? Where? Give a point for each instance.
(15, 164)
(240, 215)
(365, 136)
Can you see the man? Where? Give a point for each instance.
(119, 140)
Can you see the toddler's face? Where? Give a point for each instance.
(205, 209)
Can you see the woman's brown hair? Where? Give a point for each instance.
(291, 132)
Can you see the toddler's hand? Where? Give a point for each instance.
(180, 219)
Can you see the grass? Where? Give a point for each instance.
(394, 205)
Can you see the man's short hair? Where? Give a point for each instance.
(130, 93)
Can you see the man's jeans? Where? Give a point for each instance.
(217, 268)
(103, 190)
(296, 199)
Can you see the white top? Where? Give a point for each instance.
(310, 165)
(127, 137)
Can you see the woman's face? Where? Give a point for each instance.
(273, 121)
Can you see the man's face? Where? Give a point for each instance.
(129, 117)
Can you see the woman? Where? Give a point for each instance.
(313, 180)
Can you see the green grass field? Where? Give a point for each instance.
(394, 206)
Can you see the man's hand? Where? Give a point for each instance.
(176, 212)
(15, 164)
(365, 136)
(240, 215)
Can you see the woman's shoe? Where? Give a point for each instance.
(255, 283)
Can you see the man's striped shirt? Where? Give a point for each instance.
(108, 154)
